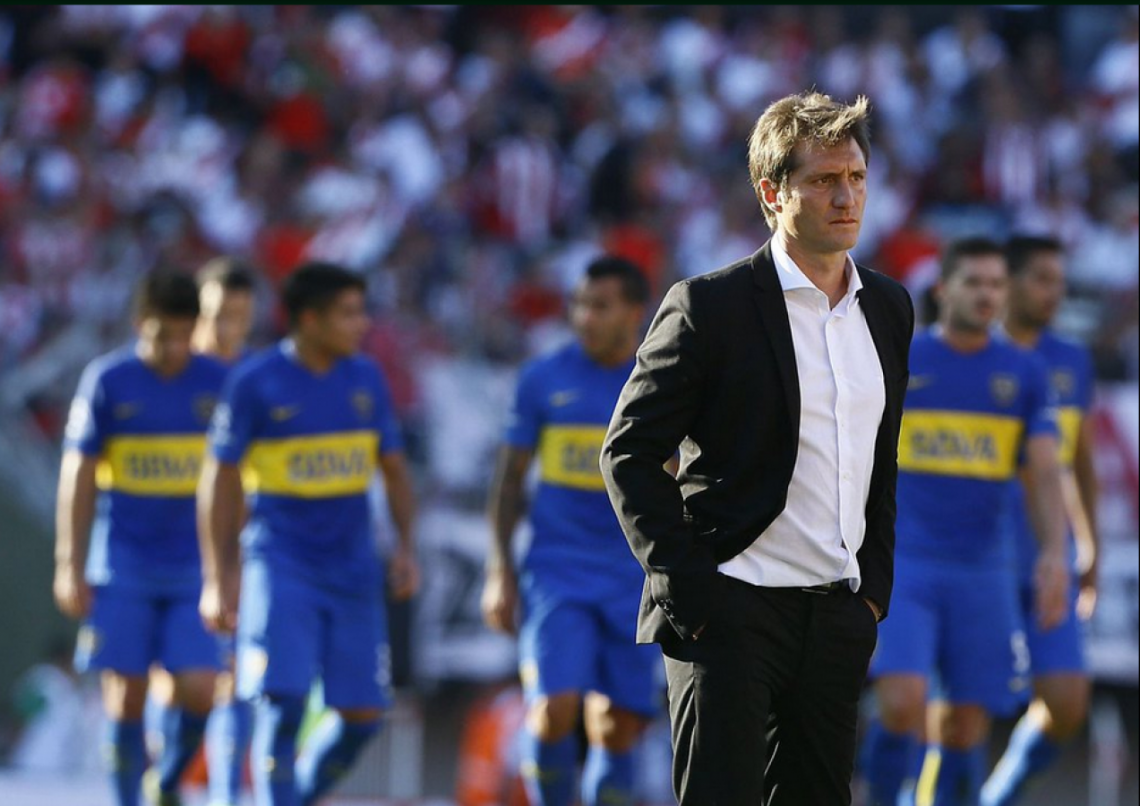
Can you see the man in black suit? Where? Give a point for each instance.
(769, 558)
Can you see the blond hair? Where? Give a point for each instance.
(809, 117)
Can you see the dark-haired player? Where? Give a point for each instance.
(309, 422)
(579, 586)
(127, 558)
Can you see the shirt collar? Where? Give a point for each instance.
(792, 277)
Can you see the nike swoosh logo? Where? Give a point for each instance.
(282, 413)
(919, 382)
(125, 411)
(564, 398)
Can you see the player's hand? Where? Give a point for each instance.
(1086, 598)
(403, 574)
(218, 604)
(500, 600)
(1051, 580)
(71, 591)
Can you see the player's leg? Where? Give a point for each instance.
(955, 766)
(626, 698)
(984, 665)
(192, 656)
(612, 734)
(1058, 710)
(901, 665)
(124, 698)
(227, 740)
(279, 645)
(118, 640)
(557, 656)
(357, 682)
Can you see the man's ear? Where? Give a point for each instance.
(771, 196)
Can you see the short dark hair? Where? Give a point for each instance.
(634, 285)
(314, 286)
(166, 293)
(1021, 249)
(809, 117)
(228, 272)
(975, 246)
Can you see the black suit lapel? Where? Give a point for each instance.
(873, 312)
(769, 297)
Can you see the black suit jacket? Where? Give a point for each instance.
(716, 375)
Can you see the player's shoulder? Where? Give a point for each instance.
(208, 368)
(262, 363)
(553, 365)
(116, 363)
(1064, 349)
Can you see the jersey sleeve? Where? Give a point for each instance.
(384, 416)
(1040, 412)
(525, 419)
(235, 419)
(89, 418)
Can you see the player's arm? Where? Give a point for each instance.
(1045, 500)
(505, 507)
(403, 572)
(1082, 502)
(74, 514)
(221, 509)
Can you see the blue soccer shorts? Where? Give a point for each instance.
(130, 629)
(567, 645)
(958, 625)
(1061, 649)
(291, 632)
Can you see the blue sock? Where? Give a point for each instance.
(181, 734)
(548, 770)
(227, 738)
(125, 754)
(1029, 752)
(273, 750)
(960, 776)
(329, 753)
(888, 760)
(607, 779)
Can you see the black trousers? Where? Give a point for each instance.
(764, 704)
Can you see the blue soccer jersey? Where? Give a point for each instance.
(965, 421)
(149, 435)
(308, 446)
(562, 409)
(1071, 382)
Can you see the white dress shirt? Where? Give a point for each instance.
(842, 398)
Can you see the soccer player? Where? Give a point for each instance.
(226, 307)
(1060, 676)
(311, 421)
(226, 293)
(976, 408)
(579, 586)
(127, 559)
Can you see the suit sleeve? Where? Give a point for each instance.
(654, 413)
(877, 555)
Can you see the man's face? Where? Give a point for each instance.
(1037, 291)
(229, 315)
(339, 328)
(973, 296)
(603, 319)
(164, 342)
(820, 207)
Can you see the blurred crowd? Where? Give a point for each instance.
(469, 161)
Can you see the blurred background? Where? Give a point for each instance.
(469, 162)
